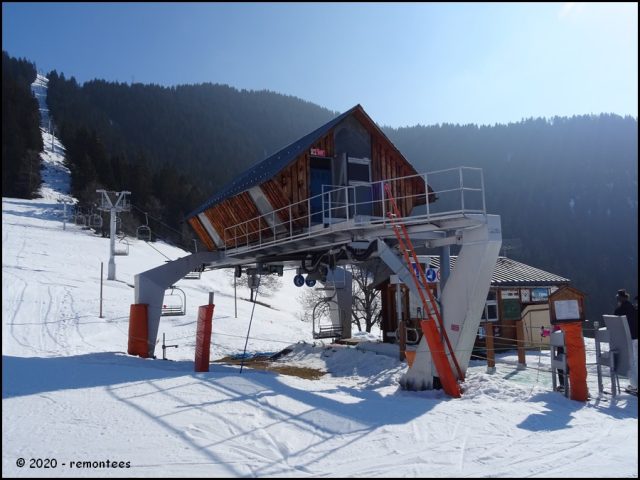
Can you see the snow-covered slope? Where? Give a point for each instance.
(70, 392)
(55, 175)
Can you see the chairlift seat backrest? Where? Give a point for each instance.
(557, 339)
(96, 221)
(558, 360)
(620, 342)
(602, 335)
(193, 275)
(122, 247)
(143, 232)
(174, 303)
(322, 324)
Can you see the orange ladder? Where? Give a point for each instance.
(429, 328)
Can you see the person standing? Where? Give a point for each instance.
(627, 309)
(631, 312)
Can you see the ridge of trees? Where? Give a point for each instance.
(170, 146)
(21, 137)
(565, 187)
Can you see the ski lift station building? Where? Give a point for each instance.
(286, 189)
(344, 194)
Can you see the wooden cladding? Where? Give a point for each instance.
(387, 163)
(201, 232)
(234, 212)
(291, 186)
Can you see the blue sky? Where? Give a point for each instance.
(407, 64)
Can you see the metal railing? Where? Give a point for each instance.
(453, 192)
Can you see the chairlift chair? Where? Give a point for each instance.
(122, 247)
(194, 274)
(143, 232)
(321, 328)
(96, 221)
(76, 215)
(86, 221)
(89, 219)
(175, 303)
(80, 219)
(119, 226)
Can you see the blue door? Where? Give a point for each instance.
(319, 176)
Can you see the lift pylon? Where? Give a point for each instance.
(121, 204)
(428, 326)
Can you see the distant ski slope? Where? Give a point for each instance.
(55, 175)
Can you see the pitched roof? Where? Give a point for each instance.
(267, 168)
(509, 273)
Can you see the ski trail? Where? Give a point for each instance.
(56, 175)
(16, 307)
(75, 317)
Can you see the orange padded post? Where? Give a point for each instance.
(203, 337)
(576, 360)
(440, 360)
(138, 330)
(410, 355)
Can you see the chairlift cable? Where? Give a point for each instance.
(157, 220)
(149, 243)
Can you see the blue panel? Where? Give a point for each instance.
(319, 177)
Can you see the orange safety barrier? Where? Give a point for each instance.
(576, 360)
(440, 360)
(203, 337)
(138, 330)
(410, 355)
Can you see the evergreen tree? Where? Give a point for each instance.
(566, 188)
(21, 137)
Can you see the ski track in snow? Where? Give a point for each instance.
(71, 393)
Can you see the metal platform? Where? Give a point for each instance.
(459, 203)
(346, 221)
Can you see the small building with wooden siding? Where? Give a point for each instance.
(518, 293)
(518, 298)
(287, 190)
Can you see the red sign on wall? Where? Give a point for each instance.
(203, 338)
(318, 152)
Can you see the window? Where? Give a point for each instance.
(490, 312)
(359, 176)
(539, 294)
(359, 172)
